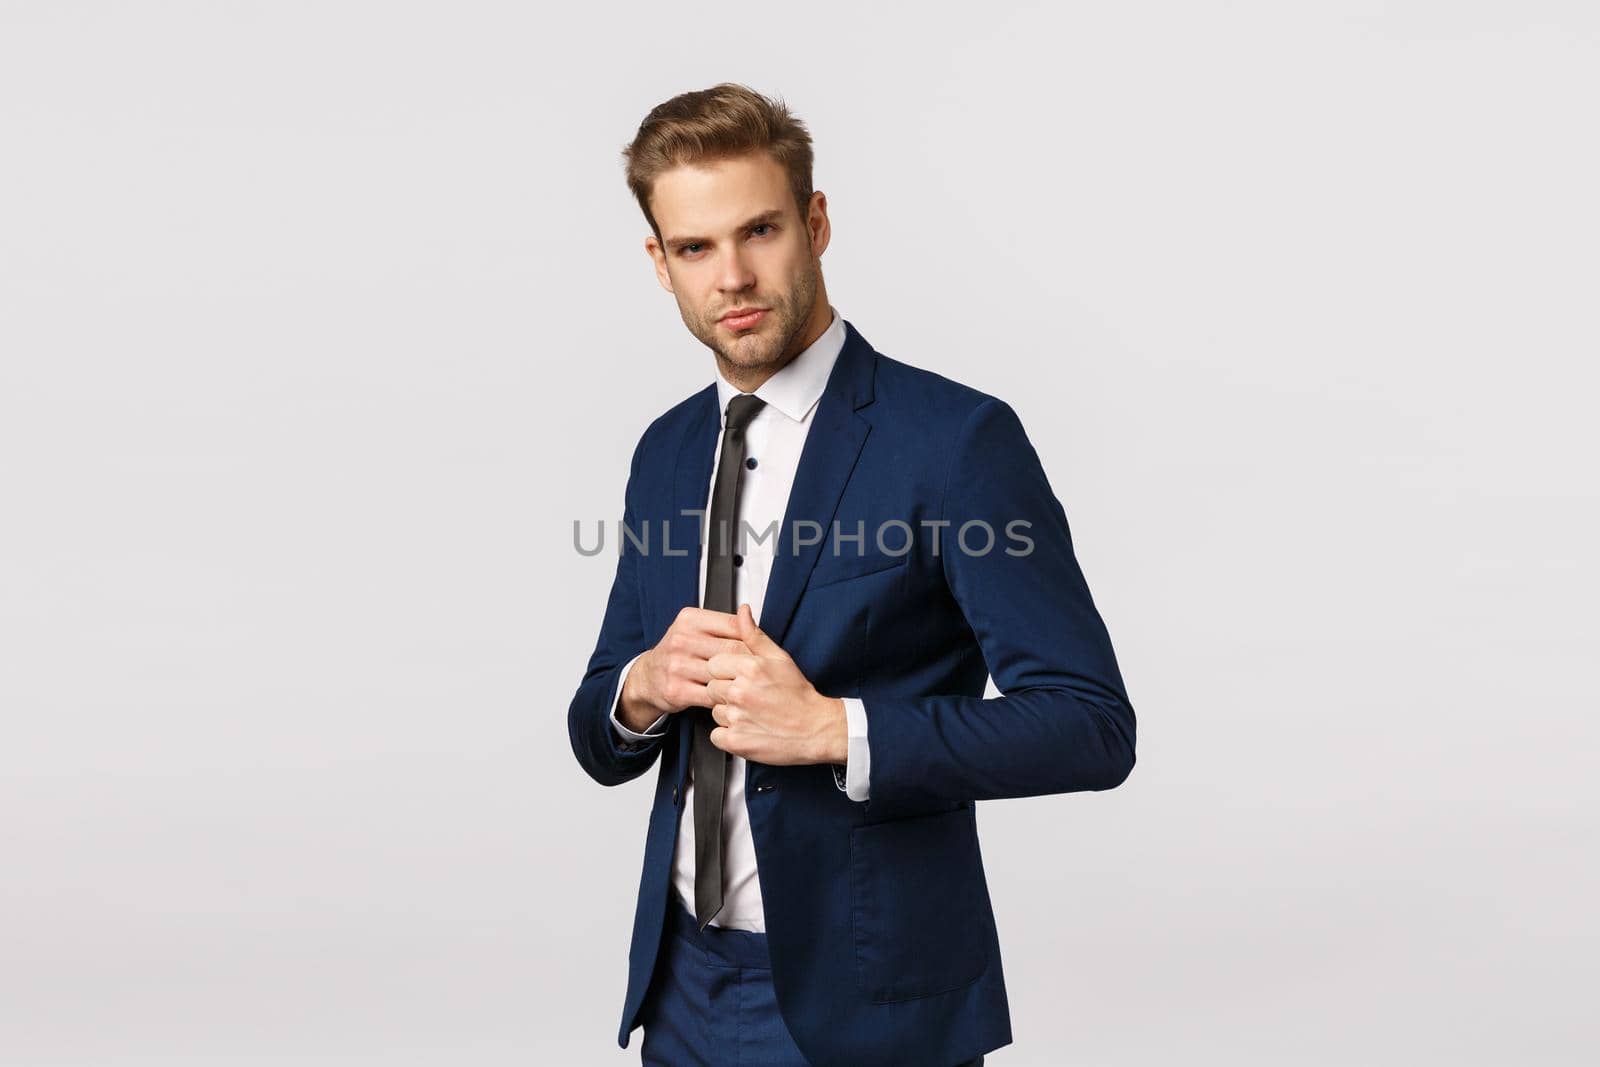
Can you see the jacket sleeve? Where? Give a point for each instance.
(599, 750)
(1064, 722)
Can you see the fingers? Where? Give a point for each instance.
(703, 647)
(732, 664)
(731, 741)
(690, 668)
(720, 690)
(697, 696)
(744, 743)
(682, 662)
(701, 683)
(705, 621)
(713, 692)
(752, 635)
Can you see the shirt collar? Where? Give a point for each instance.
(798, 385)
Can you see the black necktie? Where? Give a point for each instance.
(710, 763)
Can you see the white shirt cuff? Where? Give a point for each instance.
(858, 764)
(632, 738)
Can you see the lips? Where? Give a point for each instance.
(743, 319)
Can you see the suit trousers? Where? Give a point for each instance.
(711, 1002)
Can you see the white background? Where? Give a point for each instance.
(321, 323)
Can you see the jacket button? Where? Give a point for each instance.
(675, 790)
(763, 787)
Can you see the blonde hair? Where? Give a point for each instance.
(723, 121)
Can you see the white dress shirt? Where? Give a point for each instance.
(774, 439)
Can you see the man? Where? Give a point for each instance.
(880, 539)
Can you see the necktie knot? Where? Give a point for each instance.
(743, 408)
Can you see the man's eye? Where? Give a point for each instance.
(687, 249)
(763, 226)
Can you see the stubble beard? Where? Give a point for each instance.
(769, 349)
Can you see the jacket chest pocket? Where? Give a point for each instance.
(917, 905)
(848, 564)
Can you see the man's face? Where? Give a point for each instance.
(732, 239)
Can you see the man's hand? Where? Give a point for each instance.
(766, 708)
(673, 675)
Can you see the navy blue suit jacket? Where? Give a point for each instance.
(879, 925)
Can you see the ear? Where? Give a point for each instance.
(659, 258)
(817, 226)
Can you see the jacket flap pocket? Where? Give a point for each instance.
(917, 905)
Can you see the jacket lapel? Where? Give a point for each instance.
(691, 489)
(832, 447)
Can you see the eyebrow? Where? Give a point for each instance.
(765, 218)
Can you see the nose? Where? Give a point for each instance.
(736, 275)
